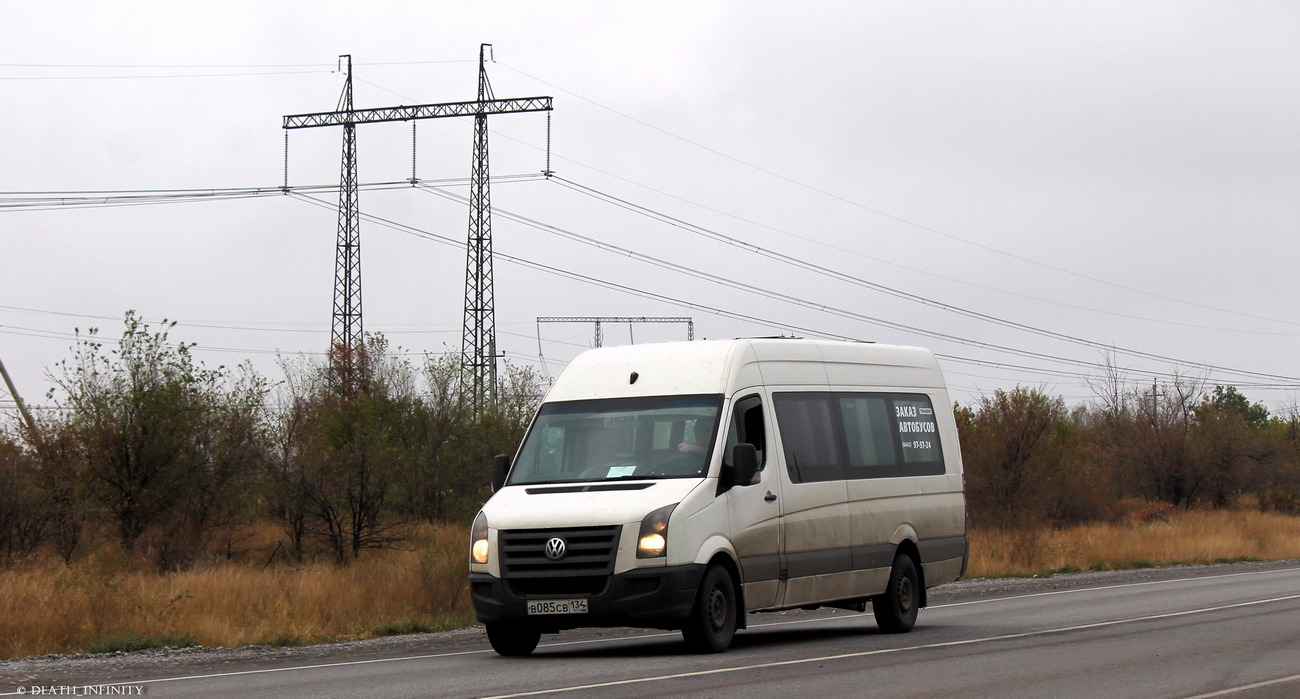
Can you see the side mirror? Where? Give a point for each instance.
(744, 464)
(500, 467)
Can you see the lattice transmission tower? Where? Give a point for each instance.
(478, 351)
(478, 347)
(347, 334)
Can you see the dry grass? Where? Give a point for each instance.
(1166, 538)
(106, 603)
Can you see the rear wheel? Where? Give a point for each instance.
(512, 638)
(712, 622)
(896, 609)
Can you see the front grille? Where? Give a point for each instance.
(583, 570)
(580, 586)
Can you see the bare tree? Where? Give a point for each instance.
(290, 462)
(1164, 464)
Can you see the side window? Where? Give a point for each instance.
(918, 435)
(831, 436)
(807, 422)
(754, 431)
(747, 427)
(868, 436)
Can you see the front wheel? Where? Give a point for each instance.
(712, 622)
(896, 609)
(512, 638)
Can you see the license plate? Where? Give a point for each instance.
(558, 606)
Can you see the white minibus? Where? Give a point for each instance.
(683, 485)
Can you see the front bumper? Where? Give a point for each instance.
(652, 597)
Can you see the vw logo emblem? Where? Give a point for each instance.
(555, 548)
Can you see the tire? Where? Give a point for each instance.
(712, 623)
(512, 639)
(896, 609)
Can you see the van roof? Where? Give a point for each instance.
(726, 366)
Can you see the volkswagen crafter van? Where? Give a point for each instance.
(682, 485)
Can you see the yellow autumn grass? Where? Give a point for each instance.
(98, 604)
(1169, 537)
(105, 602)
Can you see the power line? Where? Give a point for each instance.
(806, 303)
(895, 217)
(224, 325)
(800, 329)
(168, 196)
(78, 337)
(701, 230)
(915, 270)
(197, 66)
(173, 195)
(858, 281)
(762, 322)
(160, 76)
(48, 200)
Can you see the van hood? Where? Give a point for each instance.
(583, 504)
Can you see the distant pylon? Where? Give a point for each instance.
(599, 320)
(478, 373)
(347, 335)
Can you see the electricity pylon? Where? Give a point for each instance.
(478, 351)
(346, 333)
(478, 363)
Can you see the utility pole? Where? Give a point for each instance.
(22, 408)
(598, 320)
(478, 363)
(13, 391)
(1155, 403)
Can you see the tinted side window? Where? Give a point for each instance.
(830, 436)
(868, 435)
(918, 434)
(809, 436)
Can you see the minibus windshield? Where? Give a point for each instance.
(619, 438)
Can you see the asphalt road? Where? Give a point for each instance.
(1182, 632)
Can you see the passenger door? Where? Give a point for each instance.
(816, 551)
(755, 510)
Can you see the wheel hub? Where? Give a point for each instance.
(717, 608)
(905, 595)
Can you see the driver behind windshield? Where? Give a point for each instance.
(698, 444)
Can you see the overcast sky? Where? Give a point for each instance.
(1016, 185)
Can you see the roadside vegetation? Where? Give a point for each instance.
(111, 601)
(166, 503)
(1147, 538)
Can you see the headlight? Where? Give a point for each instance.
(652, 541)
(479, 546)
